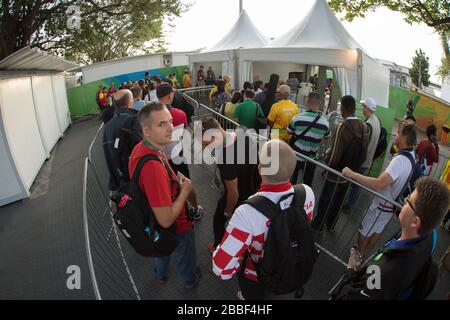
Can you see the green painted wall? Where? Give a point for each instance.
(427, 109)
(81, 99)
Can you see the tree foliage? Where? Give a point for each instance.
(419, 71)
(86, 30)
(434, 13)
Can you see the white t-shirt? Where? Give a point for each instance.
(399, 169)
(153, 97)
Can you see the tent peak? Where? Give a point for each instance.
(243, 34)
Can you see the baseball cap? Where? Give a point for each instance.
(370, 103)
(284, 89)
(163, 90)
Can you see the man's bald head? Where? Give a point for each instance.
(277, 151)
(123, 99)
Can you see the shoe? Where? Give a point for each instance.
(198, 213)
(211, 248)
(163, 280)
(198, 274)
(346, 209)
(239, 295)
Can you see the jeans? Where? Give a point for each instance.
(308, 172)
(355, 191)
(329, 204)
(219, 220)
(184, 257)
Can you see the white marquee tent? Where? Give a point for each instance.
(319, 39)
(34, 114)
(243, 34)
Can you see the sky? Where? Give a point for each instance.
(383, 34)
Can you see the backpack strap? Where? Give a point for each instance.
(270, 209)
(264, 205)
(408, 155)
(137, 173)
(140, 165)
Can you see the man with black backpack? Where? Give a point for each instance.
(403, 268)
(269, 242)
(349, 143)
(397, 179)
(123, 102)
(374, 126)
(165, 194)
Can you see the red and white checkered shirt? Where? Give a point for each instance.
(247, 230)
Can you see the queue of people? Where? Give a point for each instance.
(248, 214)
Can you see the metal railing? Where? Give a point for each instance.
(336, 244)
(111, 278)
(108, 251)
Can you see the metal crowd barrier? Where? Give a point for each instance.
(110, 275)
(336, 243)
(106, 248)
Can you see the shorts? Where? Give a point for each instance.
(374, 222)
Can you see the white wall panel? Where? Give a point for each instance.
(11, 187)
(61, 104)
(45, 111)
(21, 128)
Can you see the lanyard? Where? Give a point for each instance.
(151, 146)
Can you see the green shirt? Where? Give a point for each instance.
(246, 113)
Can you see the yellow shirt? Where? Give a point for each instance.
(281, 115)
(228, 88)
(230, 108)
(187, 81)
(213, 90)
(445, 177)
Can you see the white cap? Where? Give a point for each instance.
(370, 103)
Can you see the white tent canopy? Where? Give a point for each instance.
(243, 34)
(319, 39)
(319, 29)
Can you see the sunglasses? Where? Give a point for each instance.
(408, 201)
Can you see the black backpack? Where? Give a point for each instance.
(289, 250)
(416, 173)
(261, 122)
(382, 141)
(129, 136)
(136, 220)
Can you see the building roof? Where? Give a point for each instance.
(34, 59)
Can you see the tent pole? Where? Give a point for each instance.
(359, 85)
(240, 7)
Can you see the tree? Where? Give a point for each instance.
(434, 13)
(86, 31)
(419, 71)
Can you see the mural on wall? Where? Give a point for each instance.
(82, 98)
(427, 109)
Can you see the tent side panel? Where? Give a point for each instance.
(375, 81)
(21, 128)
(11, 187)
(45, 111)
(61, 104)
